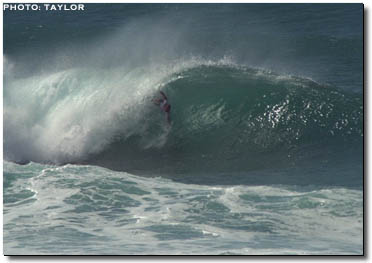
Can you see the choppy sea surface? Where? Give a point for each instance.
(263, 156)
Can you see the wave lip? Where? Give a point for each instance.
(233, 119)
(226, 118)
(64, 116)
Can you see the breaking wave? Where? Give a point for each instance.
(225, 118)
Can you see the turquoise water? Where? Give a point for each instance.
(75, 209)
(264, 154)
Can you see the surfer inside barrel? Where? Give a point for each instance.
(164, 105)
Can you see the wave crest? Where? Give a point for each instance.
(226, 118)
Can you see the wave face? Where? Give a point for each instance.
(264, 154)
(241, 106)
(229, 120)
(226, 118)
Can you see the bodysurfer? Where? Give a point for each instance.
(164, 105)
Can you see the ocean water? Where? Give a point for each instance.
(264, 154)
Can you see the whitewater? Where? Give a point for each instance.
(86, 209)
(264, 155)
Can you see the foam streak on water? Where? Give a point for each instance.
(80, 209)
(264, 154)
